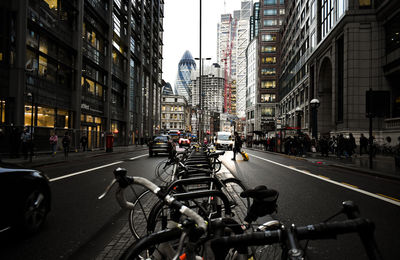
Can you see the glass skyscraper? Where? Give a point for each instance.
(185, 68)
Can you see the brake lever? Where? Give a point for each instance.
(107, 189)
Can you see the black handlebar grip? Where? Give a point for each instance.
(122, 179)
(350, 209)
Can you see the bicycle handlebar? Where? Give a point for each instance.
(124, 181)
(313, 232)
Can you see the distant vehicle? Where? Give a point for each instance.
(224, 140)
(161, 144)
(175, 135)
(25, 200)
(184, 142)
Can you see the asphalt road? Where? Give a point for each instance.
(311, 192)
(77, 216)
(79, 225)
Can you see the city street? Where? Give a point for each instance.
(80, 225)
(77, 216)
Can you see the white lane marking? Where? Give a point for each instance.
(92, 169)
(134, 158)
(331, 181)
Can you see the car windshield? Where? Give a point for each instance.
(161, 139)
(224, 137)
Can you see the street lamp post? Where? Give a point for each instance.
(314, 104)
(299, 113)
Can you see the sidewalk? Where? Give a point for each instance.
(383, 166)
(45, 158)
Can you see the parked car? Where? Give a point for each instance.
(161, 144)
(25, 199)
(184, 142)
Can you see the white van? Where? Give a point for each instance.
(224, 140)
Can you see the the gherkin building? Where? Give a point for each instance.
(185, 68)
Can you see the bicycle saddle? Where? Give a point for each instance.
(264, 202)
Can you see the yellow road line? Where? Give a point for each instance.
(350, 185)
(324, 177)
(388, 197)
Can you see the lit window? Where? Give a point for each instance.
(268, 84)
(52, 4)
(266, 98)
(364, 3)
(42, 66)
(45, 117)
(268, 49)
(268, 37)
(268, 60)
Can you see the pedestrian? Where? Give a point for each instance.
(363, 144)
(66, 141)
(84, 142)
(352, 145)
(340, 145)
(237, 145)
(26, 141)
(53, 143)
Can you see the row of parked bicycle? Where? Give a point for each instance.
(195, 212)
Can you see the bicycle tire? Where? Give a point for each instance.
(138, 217)
(218, 165)
(235, 187)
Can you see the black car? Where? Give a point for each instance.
(161, 144)
(25, 199)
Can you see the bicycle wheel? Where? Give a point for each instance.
(217, 165)
(164, 171)
(233, 188)
(157, 246)
(138, 217)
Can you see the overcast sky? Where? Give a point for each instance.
(181, 31)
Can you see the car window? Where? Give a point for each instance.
(224, 137)
(161, 138)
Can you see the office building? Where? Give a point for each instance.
(91, 66)
(336, 51)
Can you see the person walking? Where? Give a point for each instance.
(84, 142)
(352, 145)
(237, 145)
(363, 144)
(66, 141)
(53, 143)
(26, 140)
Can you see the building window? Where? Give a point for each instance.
(268, 12)
(326, 17)
(268, 37)
(268, 98)
(268, 111)
(270, 22)
(62, 118)
(282, 2)
(52, 4)
(270, 2)
(282, 11)
(268, 84)
(364, 3)
(392, 31)
(268, 71)
(45, 117)
(268, 60)
(268, 49)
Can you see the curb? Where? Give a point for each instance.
(359, 170)
(71, 159)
